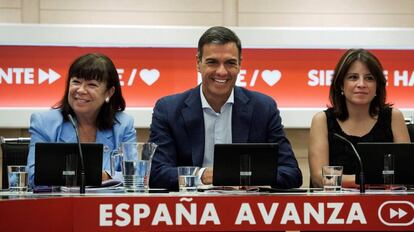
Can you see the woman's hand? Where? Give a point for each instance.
(105, 176)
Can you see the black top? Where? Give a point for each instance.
(340, 153)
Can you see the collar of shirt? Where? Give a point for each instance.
(206, 105)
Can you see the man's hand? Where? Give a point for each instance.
(207, 177)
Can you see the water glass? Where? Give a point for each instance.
(332, 178)
(136, 168)
(17, 176)
(187, 179)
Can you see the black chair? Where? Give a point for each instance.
(15, 151)
(410, 127)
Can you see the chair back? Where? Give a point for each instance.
(410, 127)
(15, 151)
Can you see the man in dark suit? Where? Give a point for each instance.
(186, 126)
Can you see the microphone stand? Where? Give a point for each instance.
(82, 166)
(361, 172)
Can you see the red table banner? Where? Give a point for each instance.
(210, 212)
(34, 76)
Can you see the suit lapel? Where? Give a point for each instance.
(192, 114)
(241, 116)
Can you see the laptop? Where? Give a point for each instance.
(372, 156)
(51, 163)
(245, 164)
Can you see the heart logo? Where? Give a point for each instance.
(149, 76)
(271, 77)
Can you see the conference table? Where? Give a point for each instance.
(208, 211)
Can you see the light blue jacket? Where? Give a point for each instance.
(49, 126)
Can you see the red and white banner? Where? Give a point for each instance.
(34, 76)
(251, 212)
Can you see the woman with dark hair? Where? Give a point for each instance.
(358, 112)
(93, 97)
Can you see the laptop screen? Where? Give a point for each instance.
(372, 155)
(245, 164)
(54, 162)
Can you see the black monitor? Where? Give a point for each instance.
(51, 163)
(245, 164)
(372, 156)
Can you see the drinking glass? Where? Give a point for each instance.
(17, 178)
(187, 178)
(136, 168)
(332, 178)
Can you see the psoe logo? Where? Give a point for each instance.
(396, 213)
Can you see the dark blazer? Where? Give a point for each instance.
(178, 129)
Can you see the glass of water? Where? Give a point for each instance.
(187, 179)
(332, 178)
(136, 167)
(17, 176)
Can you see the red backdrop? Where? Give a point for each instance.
(34, 76)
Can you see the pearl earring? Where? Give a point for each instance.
(342, 92)
(107, 99)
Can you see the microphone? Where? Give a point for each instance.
(82, 166)
(361, 167)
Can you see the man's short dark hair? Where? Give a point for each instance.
(218, 35)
